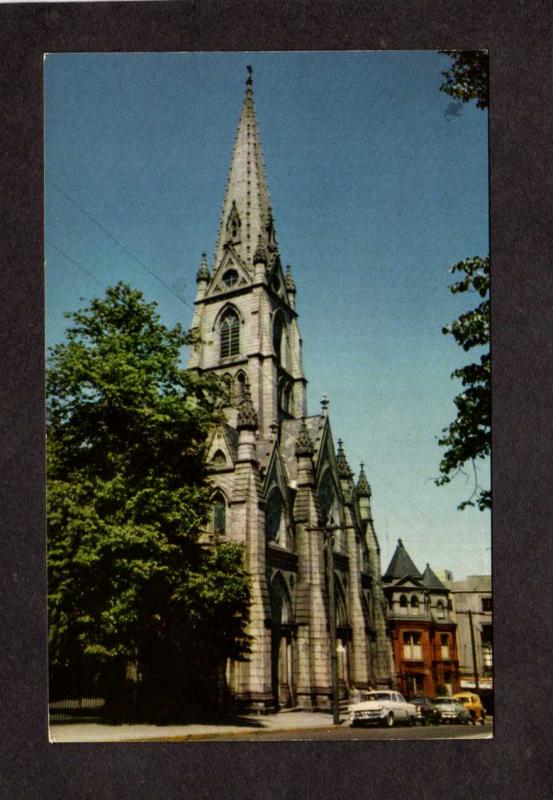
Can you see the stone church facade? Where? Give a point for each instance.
(278, 479)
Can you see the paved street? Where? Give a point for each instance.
(291, 726)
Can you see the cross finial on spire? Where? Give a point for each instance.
(249, 80)
(324, 405)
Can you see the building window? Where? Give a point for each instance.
(230, 277)
(219, 514)
(274, 520)
(487, 648)
(486, 604)
(412, 647)
(277, 338)
(403, 601)
(240, 387)
(326, 495)
(414, 610)
(440, 610)
(230, 334)
(444, 646)
(219, 459)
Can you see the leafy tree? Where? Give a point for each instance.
(130, 585)
(467, 77)
(468, 437)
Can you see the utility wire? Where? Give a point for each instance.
(120, 244)
(180, 299)
(76, 263)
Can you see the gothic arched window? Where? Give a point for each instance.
(274, 518)
(403, 601)
(414, 605)
(219, 459)
(326, 495)
(277, 338)
(440, 610)
(230, 334)
(239, 387)
(219, 514)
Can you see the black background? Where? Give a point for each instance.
(518, 761)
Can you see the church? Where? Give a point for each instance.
(280, 485)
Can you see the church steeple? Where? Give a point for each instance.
(246, 319)
(246, 217)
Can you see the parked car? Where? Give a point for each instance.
(473, 705)
(452, 710)
(427, 712)
(384, 707)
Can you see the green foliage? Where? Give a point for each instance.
(468, 437)
(467, 77)
(128, 495)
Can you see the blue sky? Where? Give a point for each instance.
(376, 192)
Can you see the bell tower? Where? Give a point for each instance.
(245, 319)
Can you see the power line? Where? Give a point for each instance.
(76, 263)
(181, 300)
(120, 244)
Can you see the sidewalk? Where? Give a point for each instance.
(282, 722)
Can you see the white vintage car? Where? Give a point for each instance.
(384, 707)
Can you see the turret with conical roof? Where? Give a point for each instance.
(401, 565)
(431, 580)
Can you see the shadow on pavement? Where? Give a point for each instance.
(196, 717)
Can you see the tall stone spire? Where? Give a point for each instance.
(246, 218)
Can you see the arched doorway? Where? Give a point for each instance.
(282, 666)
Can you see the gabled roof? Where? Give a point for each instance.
(401, 565)
(431, 580)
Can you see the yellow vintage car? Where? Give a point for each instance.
(473, 705)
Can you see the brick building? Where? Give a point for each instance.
(422, 627)
(278, 479)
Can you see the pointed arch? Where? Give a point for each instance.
(218, 513)
(326, 494)
(275, 522)
(281, 603)
(219, 459)
(240, 381)
(278, 337)
(229, 333)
